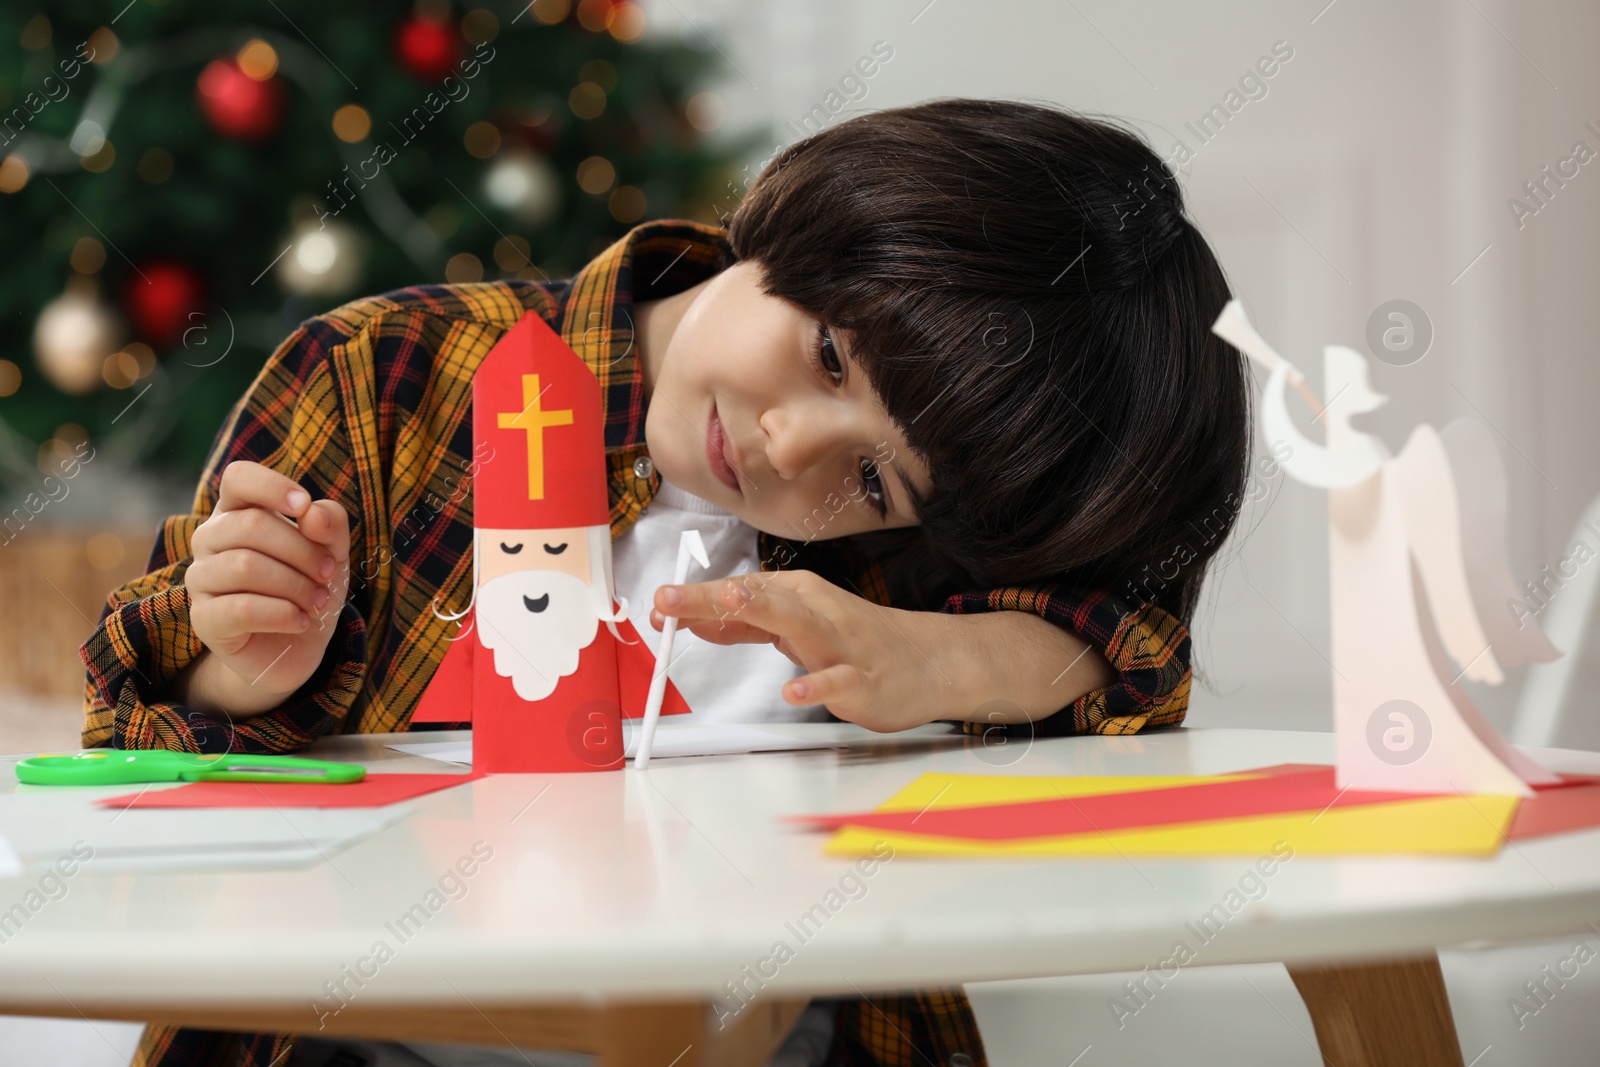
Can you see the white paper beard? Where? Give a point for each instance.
(535, 648)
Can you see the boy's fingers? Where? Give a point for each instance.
(240, 614)
(243, 570)
(762, 600)
(251, 485)
(771, 606)
(266, 532)
(703, 600)
(774, 610)
(837, 686)
(728, 633)
(328, 524)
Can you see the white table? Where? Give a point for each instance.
(628, 893)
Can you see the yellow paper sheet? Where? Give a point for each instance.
(1459, 825)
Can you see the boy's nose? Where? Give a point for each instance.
(798, 440)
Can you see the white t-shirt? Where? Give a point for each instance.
(722, 683)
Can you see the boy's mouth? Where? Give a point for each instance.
(719, 454)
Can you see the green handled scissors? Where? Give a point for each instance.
(119, 766)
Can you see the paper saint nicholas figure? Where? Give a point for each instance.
(546, 664)
(1418, 571)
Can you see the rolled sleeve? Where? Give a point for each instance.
(292, 421)
(144, 641)
(1147, 647)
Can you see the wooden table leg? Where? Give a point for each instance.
(682, 1034)
(653, 1035)
(1389, 1014)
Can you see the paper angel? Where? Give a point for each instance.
(1418, 572)
(543, 683)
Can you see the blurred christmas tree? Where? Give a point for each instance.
(181, 183)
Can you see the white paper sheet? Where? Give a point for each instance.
(10, 862)
(671, 740)
(45, 823)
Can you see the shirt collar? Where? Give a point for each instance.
(652, 260)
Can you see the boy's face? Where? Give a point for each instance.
(806, 449)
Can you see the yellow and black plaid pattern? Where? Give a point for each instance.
(370, 405)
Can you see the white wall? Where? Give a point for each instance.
(1377, 166)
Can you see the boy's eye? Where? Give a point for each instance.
(825, 355)
(556, 550)
(510, 550)
(873, 480)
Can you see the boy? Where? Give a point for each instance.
(952, 361)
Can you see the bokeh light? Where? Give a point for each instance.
(706, 111)
(596, 175)
(627, 204)
(463, 268)
(481, 140)
(587, 100)
(548, 12)
(258, 60)
(13, 174)
(626, 22)
(88, 255)
(480, 25)
(351, 123)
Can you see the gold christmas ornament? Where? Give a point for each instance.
(322, 260)
(73, 335)
(525, 185)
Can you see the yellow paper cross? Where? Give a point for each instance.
(534, 419)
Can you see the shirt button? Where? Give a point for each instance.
(642, 467)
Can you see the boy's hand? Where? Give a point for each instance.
(265, 590)
(869, 664)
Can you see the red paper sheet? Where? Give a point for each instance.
(1557, 810)
(1306, 790)
(373, 791)
(1573, 803)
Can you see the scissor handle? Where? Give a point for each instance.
(99, 767)
(125, 766)
(242, 768)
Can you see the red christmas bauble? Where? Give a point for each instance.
(236, 104)
(160, 298)
(426, 48)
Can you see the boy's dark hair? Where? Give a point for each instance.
(1033, 308)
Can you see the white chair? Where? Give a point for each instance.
(1551, 689)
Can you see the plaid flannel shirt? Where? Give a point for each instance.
(370, 405)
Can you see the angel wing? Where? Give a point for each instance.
(1425, 490)
(1481, 482)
